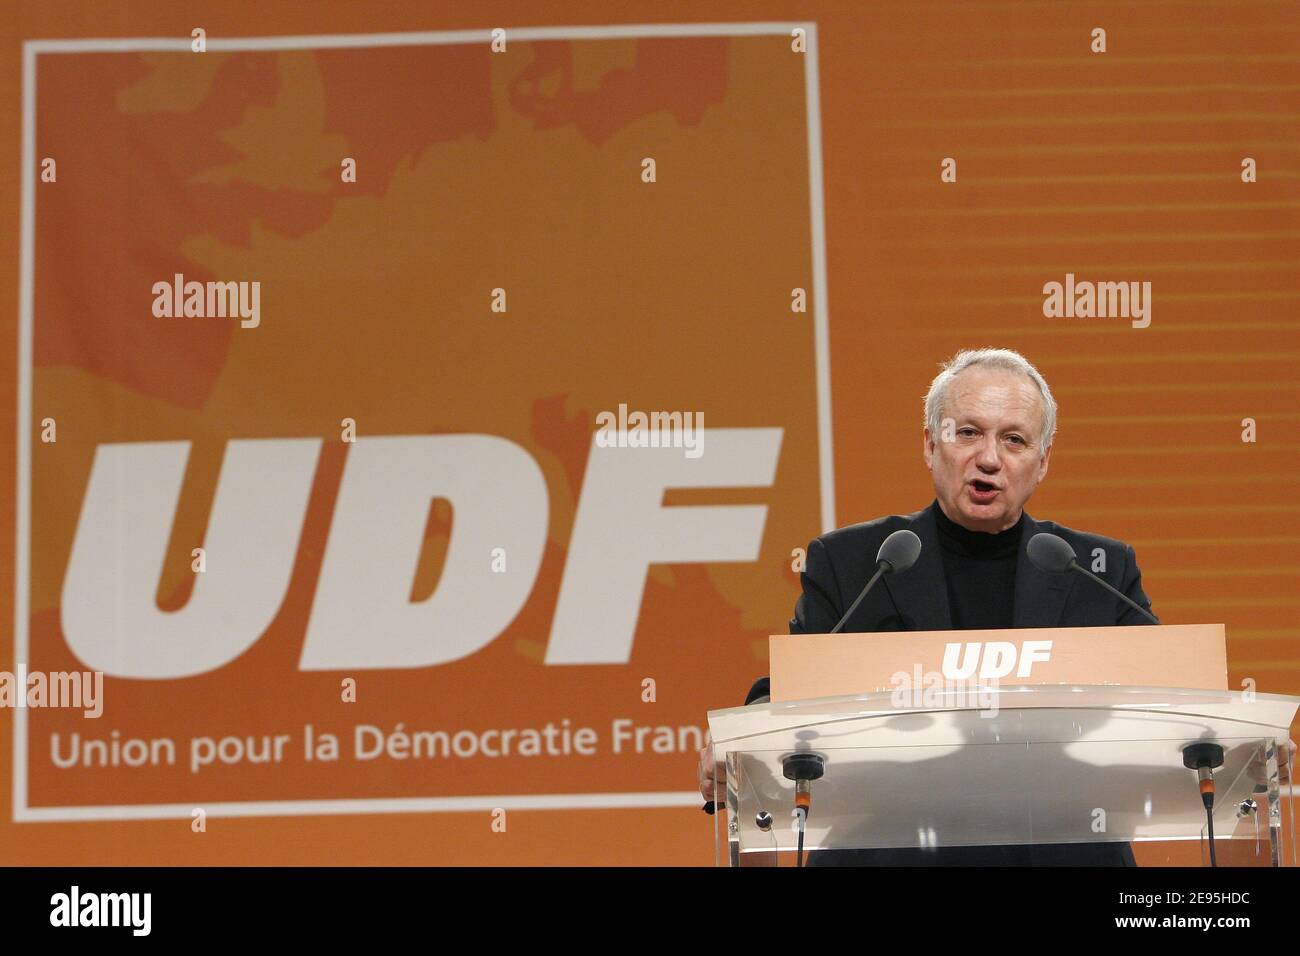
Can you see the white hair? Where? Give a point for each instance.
(1003, 359)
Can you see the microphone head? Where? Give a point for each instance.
(899, 551)
(1050, 553)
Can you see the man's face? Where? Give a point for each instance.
(989, 460)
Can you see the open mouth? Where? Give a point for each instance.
(982, 490)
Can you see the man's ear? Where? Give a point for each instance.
(927, 446)
(1042, 465)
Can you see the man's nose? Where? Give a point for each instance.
(988, 458)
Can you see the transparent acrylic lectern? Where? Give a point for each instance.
(1003, 766)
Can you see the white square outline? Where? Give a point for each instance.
(26, 265)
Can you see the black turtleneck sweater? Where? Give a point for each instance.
(980, 569)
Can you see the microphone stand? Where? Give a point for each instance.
(1075, 566)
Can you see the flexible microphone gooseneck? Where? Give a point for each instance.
(898, 553)
(1051, 553)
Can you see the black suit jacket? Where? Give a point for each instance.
(840, 563)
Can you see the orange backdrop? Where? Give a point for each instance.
(522, 170)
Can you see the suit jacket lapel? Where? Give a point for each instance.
(921, 592)
(1040, 595)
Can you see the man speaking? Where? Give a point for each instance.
(989, 423)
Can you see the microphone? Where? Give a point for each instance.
(898, 553)
(1051, 553)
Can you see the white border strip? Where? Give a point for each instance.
(345, 807)
(821, 326)
(23, 497)
(22, 564)
(439, 37)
